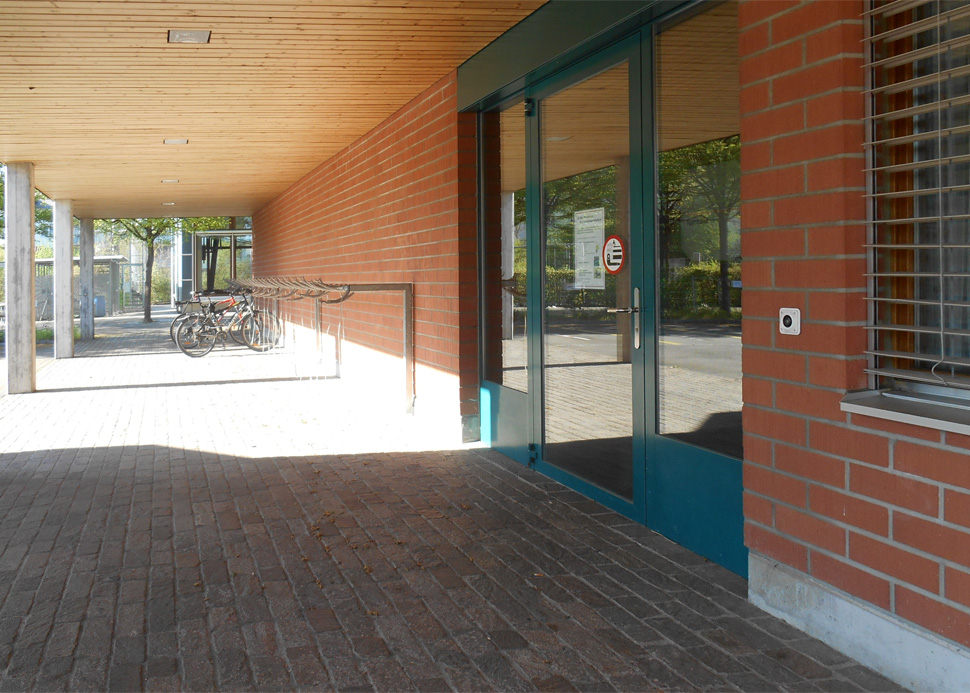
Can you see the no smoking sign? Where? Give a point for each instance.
(614, 255)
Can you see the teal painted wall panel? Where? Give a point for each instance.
(505, 420)
(694, 497)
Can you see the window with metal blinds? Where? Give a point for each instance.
(919, 157)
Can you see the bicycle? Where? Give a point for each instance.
(185, 309)
(203, 302)
(196, 335)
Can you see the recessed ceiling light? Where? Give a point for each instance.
(171, 180)
(175, 141)
(168, 204)
(188, 36)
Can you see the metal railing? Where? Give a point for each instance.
(300, 288)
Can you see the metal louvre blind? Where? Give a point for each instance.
(919, 156)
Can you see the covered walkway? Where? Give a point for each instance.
(171, 523)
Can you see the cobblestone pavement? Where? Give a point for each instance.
(223, 523)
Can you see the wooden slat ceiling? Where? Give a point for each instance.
(90, 88)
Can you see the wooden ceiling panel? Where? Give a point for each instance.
(90, 88)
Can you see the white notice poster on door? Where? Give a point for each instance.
(589, 227)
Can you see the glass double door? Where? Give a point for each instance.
(615, 316)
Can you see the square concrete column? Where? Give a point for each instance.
(87, 278)
(63, 279)
(114, 300)
(21, 337)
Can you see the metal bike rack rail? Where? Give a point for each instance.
(298, 288)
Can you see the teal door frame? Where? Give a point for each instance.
(628, 50)
(689, 494)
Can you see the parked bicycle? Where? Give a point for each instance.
(235, 317)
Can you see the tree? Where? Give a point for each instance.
(150, 231)
(701, 184)
(715, 180)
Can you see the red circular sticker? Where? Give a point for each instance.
(614, 255)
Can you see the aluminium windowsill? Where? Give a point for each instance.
(939, 417)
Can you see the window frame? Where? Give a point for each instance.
(911, 394)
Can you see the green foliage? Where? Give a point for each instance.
(42, 335)
(161, 285)
(699, 202)
(566, 196)
(694, 291)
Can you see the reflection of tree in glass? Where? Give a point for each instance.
(700, 190)
(562, 198)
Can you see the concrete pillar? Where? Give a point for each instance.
(114, 281)
(87, 278)
(63, 279)
(21, 337)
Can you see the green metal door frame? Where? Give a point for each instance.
(629, 51)
(689, 494)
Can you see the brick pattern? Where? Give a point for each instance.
(877, 509)
(398, 205)
(147, 545)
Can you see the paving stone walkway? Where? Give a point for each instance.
(224, 523)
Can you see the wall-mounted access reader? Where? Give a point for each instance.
(790, 321)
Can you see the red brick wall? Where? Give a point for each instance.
(877, 509)
(398, 205)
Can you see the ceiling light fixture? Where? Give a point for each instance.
(168, 204)
(171, 180)
(175, 141)
(559, 138)
(188, 36)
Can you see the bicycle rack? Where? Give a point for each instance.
(298, 288)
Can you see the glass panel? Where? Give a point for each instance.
(587, 370)
(216, 262)
(698, 223)
(244, 257)
(504, 247)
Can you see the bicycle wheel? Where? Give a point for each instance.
(236, 329)
(174, 327)
(261, 331)
(195, 336)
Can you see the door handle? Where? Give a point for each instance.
(635, 311)
(636, 318)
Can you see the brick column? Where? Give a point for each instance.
(803, 235)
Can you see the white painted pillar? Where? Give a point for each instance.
(63, 279)
(87, 278)
(21, 337)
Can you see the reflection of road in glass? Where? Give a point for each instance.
(700, 385)
(699, 379)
